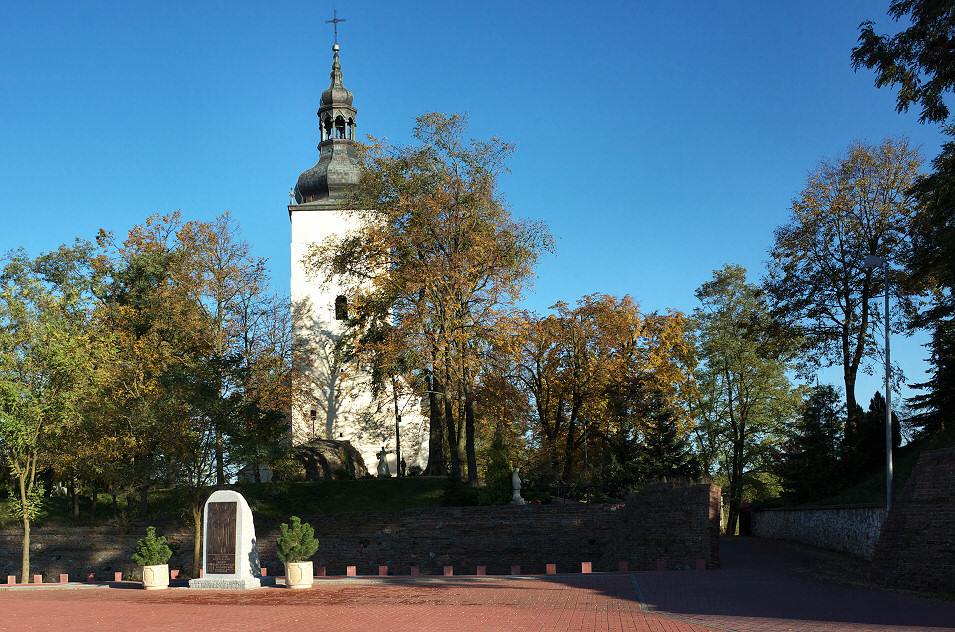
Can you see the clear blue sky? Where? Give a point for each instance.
(658, 140)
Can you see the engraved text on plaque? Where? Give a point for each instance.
(220, 538)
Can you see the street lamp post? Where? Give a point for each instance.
(873, 261)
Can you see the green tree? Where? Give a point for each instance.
(821, 289)
(864, 446)
(935, 409)
(811, 467)
(918, 60)
(46, 358)
(744, 365)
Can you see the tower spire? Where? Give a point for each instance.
(337, 168)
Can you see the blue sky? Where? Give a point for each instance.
(658, 140)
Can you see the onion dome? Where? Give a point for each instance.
(337, 167)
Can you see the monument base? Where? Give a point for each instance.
(225, 583)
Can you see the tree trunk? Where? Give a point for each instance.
(436, 466)
(94, 497)
(736, 488)
(144, 501)
(25, 512)
(74, 500)
(849, 377)
(196, 540)
(256, 474)
(569, 447)
(454, 441)
(469, 442)
(220, 461)
(25, 563)
(394, 397)
(115, 508)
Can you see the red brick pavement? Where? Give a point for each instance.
(755, 591)
(582, 603)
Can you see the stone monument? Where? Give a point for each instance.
(230, 554)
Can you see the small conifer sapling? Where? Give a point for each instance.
(152, 551)
(296, 543)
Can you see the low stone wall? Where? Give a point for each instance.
(917, 547)
(463, 537)
(852, 529)
(79, 551)
(676, 524)
(666, 522)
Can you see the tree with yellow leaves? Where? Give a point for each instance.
(599, 370)
(437, 257)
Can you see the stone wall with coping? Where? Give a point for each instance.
(676, 524)
(852, 529)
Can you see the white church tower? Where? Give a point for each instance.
(336, 401)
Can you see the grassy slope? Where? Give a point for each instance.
(302, 499)
(872, 488)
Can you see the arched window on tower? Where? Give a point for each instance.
(351, 129)
(341, 307)
(340, 127)
(326, 128)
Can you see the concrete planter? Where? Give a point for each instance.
(298, 575)
(156, 577)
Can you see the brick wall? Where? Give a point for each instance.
(917, 546)
(678, 524)
(668, 522)
(852, 529)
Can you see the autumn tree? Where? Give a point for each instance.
(599, 370)
(437, 256)
(852, 207)
(229, 284)
(744, 365)
(46, 359)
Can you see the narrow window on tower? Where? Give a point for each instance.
(341, 308)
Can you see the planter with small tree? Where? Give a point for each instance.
(294, 546)
(152, 554)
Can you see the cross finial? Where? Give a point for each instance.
(335, 22)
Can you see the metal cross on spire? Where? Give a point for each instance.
(335, 22)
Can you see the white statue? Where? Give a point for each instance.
(516, 483)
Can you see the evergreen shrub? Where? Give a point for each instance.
(296, 543)
(152, 551)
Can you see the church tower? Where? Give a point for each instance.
(336, 402)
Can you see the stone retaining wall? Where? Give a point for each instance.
(675, 525)
(852, 529)
(917, 547)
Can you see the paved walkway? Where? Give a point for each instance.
(768, 586)
(759, 589)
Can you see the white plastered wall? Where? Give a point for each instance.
(339, 404)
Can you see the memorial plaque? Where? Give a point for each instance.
(220, 538)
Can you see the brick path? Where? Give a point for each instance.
(562, 603)
(758, 589)
(755, 591)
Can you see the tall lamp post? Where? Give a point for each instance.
(873, 261)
